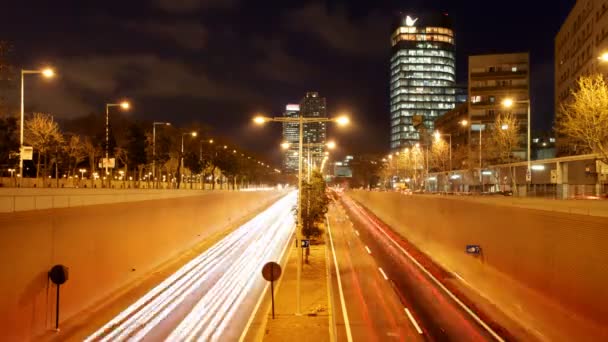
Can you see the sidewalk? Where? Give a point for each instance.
(313, 325)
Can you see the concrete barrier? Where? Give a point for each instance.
(24, 199)
(563, 257)
(106, 247)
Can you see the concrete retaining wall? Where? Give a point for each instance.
(105, 247)
(562, 256)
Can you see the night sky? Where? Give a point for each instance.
(221, 61)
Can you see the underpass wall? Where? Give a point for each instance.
(561, 256)
(106, 247)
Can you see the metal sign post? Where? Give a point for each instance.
(271, 272)
(58, 275)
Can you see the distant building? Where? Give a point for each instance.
(312, 105)
(422, 75)
(343, 168)
(543, 146)
(291, 134)
(582, 38)
(492, 79)
(452, 123)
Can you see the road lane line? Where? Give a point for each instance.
(357, 232)
(368, 250)
(432, 277)
(349, 336)
(263, 295)
(414, 323)
(383, 274)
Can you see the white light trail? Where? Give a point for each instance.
(210, 287)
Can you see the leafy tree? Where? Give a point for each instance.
(585, 119)
(504, 138)
(43, 133)
(440, 155)
(315, 203)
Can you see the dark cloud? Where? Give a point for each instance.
(183, 6)
(188, 35)
(137, 76)
(279, 65)
(338, 30)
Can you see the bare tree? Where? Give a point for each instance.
(585, 118)
(75, 149)
(504, 138)
(440, 154)
(43, 133)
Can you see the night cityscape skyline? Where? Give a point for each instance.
(230, 60)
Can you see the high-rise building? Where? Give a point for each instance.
(291, 133)
(311, 106)
(422, 75)
(314, 106)
(582, 38)
(493, 78)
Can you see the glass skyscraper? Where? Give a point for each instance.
(422, 75)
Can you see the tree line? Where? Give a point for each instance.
(61, 149)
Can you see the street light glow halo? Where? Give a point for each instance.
(125, 105)
(48, 72)
(508, 102)
(260, 119)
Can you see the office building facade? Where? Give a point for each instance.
(582, 38)
(492, 79)
(311, 106)
(422, 76)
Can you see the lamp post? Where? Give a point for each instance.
(193, 134)
(330, 145)
(508, 103)
(125, 106)
(300, 120)
(47, 73)
(154, 147)
(200, 157)
(466, 123)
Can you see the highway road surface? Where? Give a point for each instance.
(213, 296)
(390, 292)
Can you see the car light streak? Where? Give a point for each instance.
(210, 287)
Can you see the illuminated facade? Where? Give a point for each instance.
(311, 106)
(422, 76)
(291, 134)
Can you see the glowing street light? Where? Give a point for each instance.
(46, 73)
(508, 102)
(331, 145)
(603, 57)
(342, 120)
(285, 145)
(125, 106)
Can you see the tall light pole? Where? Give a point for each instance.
(508, 103)
(47, 73)
(154, 145)
(193, 134)
(438, 136)
(330, 145)
(466, 123)
(300, 120)
(125, 106)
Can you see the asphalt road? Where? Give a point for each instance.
(375, 312)
(213, 296)
(377, 300)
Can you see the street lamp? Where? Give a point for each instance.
(465, 123)
(125, 106)
(154, 145)
(438, 137)
(603, 57)
(82, 172)
(342, 120)
(331, 145)
(508, 103)
(192, 134)
(47, 73)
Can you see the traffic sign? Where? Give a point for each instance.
(271, 272)
(305, 243)
(473, 249)
(27, 152)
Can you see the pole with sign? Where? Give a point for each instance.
(271, 272)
